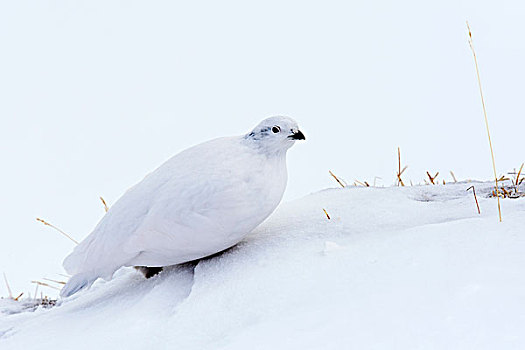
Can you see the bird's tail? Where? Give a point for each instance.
(78, 282)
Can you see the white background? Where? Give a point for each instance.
(95, 94)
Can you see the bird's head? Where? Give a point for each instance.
(275, 134)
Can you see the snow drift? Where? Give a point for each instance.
(394, 268)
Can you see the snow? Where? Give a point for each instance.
(394, 268)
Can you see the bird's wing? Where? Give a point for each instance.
(189, 216)
(101, 249)
(206, 208)
(182, 179)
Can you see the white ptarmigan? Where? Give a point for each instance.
(201, 201)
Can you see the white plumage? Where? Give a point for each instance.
(200, 202)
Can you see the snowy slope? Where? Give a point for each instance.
(394, 268)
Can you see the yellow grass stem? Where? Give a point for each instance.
(54, 281)
(56, 228)
(106, 208)
(399, 170)
(7, 286)
(432, 178)
(475, 198)
(486, 119)
(519, 173)
(336, 179)
(45, 285)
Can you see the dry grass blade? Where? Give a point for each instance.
(325, 213)
(361, 183)
(54, 281)
(399, 171)
(453, 176)
(471, 44)
(432, 178)
(518, 180)
(106, 208)
(45, 285)
(56, 228)
(475, 197)
(7, 286)
(519, 173)
(19, 296)
(336, 179)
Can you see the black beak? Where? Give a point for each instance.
(298, 135)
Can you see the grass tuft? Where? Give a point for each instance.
(510, 186)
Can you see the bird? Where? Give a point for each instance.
(201, 201)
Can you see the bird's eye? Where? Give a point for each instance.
(276, 129)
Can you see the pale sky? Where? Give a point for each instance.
(96, 94)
